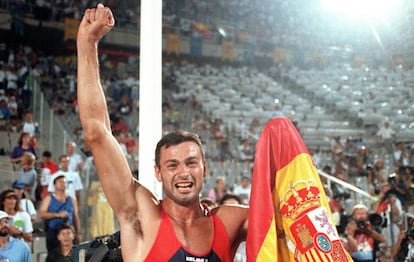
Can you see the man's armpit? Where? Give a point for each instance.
(132, 218)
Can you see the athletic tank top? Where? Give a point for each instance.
(56, 206)
(167, 247)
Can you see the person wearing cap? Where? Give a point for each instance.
(25, 203)
(360, 236)
(59, 208)
(22, 226)
(11, 249)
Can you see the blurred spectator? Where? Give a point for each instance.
(57, 209)
(28, 175)
(246, 150)
(25, 203)
(240, 129)
(48, 168)
(218, 191)
(224, 151)
(125, 108)
(360, 235)
(403, 250)
(401, 155)
(2, 94)
(12, 249)
(390, 209)
(30, 127)
(132, 148)
(243, 190)
(72, 179)
(23, 146)
(218, 131)
(172, 116)
(385, 137)
(75, 159)
(13, 107)
(197, 123)
(5, 112)
(102, 217)
(120, 137)
(255, 128)
(230, 199)
(22, 226)
(66, 236)
(120, 124)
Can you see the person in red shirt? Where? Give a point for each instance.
(49, 167)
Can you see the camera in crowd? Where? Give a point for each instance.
(376, 221)
(392, 179)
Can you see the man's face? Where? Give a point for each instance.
(28, 117)
(181, 171)
(60, 184)
(46, 159)
(66, 237)
(4, 227)
(70, 148)
(245, 183)
(360, 214)
(64, 163)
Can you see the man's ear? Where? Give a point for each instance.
(157, 173)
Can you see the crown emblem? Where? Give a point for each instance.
(300, 197)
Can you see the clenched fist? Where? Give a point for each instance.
(95, 23)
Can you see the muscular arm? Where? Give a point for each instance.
(112, 167)
(121, 189)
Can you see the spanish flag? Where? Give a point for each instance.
(289, 217)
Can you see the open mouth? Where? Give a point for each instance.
(184, 185)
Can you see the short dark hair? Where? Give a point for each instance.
(175, 138)
(64, 226)
(56, 178)
(230, 196)
(47, 154)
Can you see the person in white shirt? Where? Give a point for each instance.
(243, 190)
(385, 136)
(73, 180)
(22, 227)
(75, 159)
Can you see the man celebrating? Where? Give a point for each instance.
(178, 228)
(11, 249)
